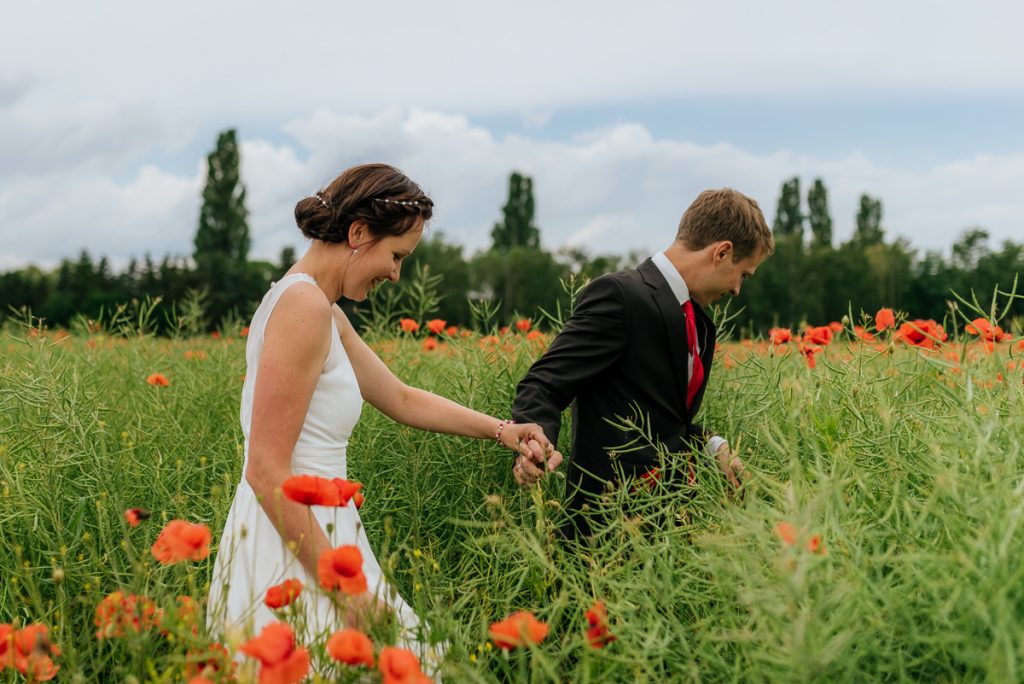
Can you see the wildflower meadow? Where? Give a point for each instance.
(878, 536)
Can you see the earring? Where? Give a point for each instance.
(355, 249)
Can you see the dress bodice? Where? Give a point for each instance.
(334, 407)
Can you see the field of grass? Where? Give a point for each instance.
(880, 536)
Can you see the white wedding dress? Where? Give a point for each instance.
(252, 556)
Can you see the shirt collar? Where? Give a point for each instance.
(675, 281)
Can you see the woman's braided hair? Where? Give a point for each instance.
(381, 196)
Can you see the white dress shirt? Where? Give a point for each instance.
(682, 293)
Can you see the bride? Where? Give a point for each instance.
(308, 373)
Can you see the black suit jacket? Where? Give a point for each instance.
(624, 346)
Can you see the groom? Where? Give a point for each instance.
(640, 339)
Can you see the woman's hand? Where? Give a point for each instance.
(362, 611)
(535, 454)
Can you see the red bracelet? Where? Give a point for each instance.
(501, 426)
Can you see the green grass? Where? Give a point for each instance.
(909, 470)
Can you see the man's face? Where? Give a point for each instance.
(727, 278)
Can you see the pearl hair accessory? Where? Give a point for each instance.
(404, 203)
(322, 200)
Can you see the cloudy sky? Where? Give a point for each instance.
(621, 112)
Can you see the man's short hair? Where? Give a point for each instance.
(726, 214)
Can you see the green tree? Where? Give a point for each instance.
(789, 221)
(868, 229)
(516, 229)
(287, 260)
(223, 232)
(818, 215)
(525, 279)
(222, 239)
(444, 259)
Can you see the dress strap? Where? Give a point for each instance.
(273, 295)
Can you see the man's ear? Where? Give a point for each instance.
(722, 251)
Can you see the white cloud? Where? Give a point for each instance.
(611, 190)
(230, 57)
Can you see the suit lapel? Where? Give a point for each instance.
(675, 326)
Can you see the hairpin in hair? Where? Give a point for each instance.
(404, 203)
(322, 200)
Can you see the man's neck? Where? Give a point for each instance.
(685, 261)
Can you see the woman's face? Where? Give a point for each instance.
(378, 260)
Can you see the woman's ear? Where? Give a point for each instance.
(357, 232)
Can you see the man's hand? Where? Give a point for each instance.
(527, 471)
(534, 452)
(731, 465)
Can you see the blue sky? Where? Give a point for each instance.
(622, 113)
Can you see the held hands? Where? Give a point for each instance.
(534, 452)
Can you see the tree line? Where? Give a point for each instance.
(809, 278)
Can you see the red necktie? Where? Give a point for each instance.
(697, 377)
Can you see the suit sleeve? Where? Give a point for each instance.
(592, 340)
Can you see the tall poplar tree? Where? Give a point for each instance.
(222, 239)
(869, 221)
(223, 233)
(516, 229)
(818, 216)
(788, 219)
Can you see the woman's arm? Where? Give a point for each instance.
(426, 411)
(296, 343)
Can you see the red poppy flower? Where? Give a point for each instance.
(158, 380)
(135, 516)
(319, 491)
(119, 613)
(311, 490)
(436, 326)
(352, 647)
(921, 333)
(244, 332)
(430, 344)
(29, 651)
(518, 629)
(281, 662)
(342, 568)
(180, 541)
(779, 336)
(214, 662)
(451, 331)
(598, 634)
(820, 335)
(836, 327)
(786, 532)
(357, 499)
(884, 319)
(409, 325)
(280, 595)
(215, 334)
(523, 324)
(400, 666)
(986, 331)
(815, 545)
(809, 351)
(862, 334)
(346, 489)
